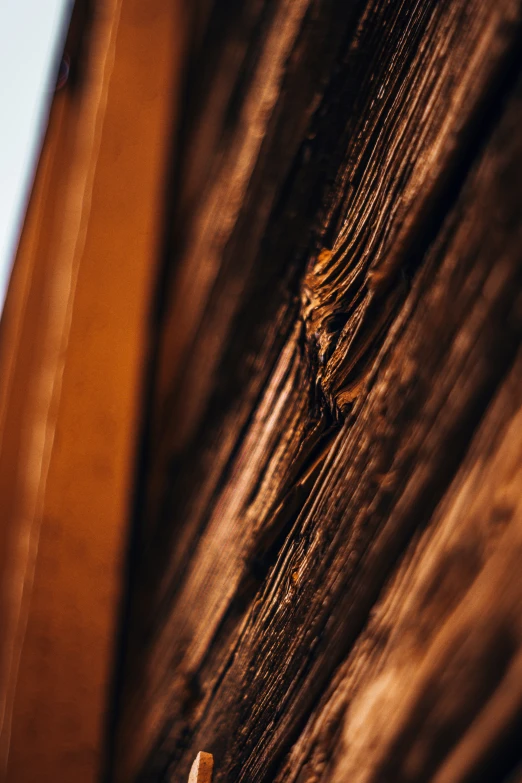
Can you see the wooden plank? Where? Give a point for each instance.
(73, 343)
(304, 417)
(201, 771)
(433, 683)
(384, 476)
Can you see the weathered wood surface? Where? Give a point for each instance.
(329, 512)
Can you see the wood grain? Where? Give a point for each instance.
(442, 646)
(340, 307)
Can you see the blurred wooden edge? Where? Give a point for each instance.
(72, 347)
(202, 767)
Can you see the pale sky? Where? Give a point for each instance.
(30, 41)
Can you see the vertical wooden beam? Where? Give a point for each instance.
(71, 355)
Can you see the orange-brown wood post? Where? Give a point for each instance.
(72, 346)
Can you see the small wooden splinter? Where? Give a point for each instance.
(202, 767)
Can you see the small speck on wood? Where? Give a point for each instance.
(202, 767)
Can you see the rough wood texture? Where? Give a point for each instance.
(329, 509)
